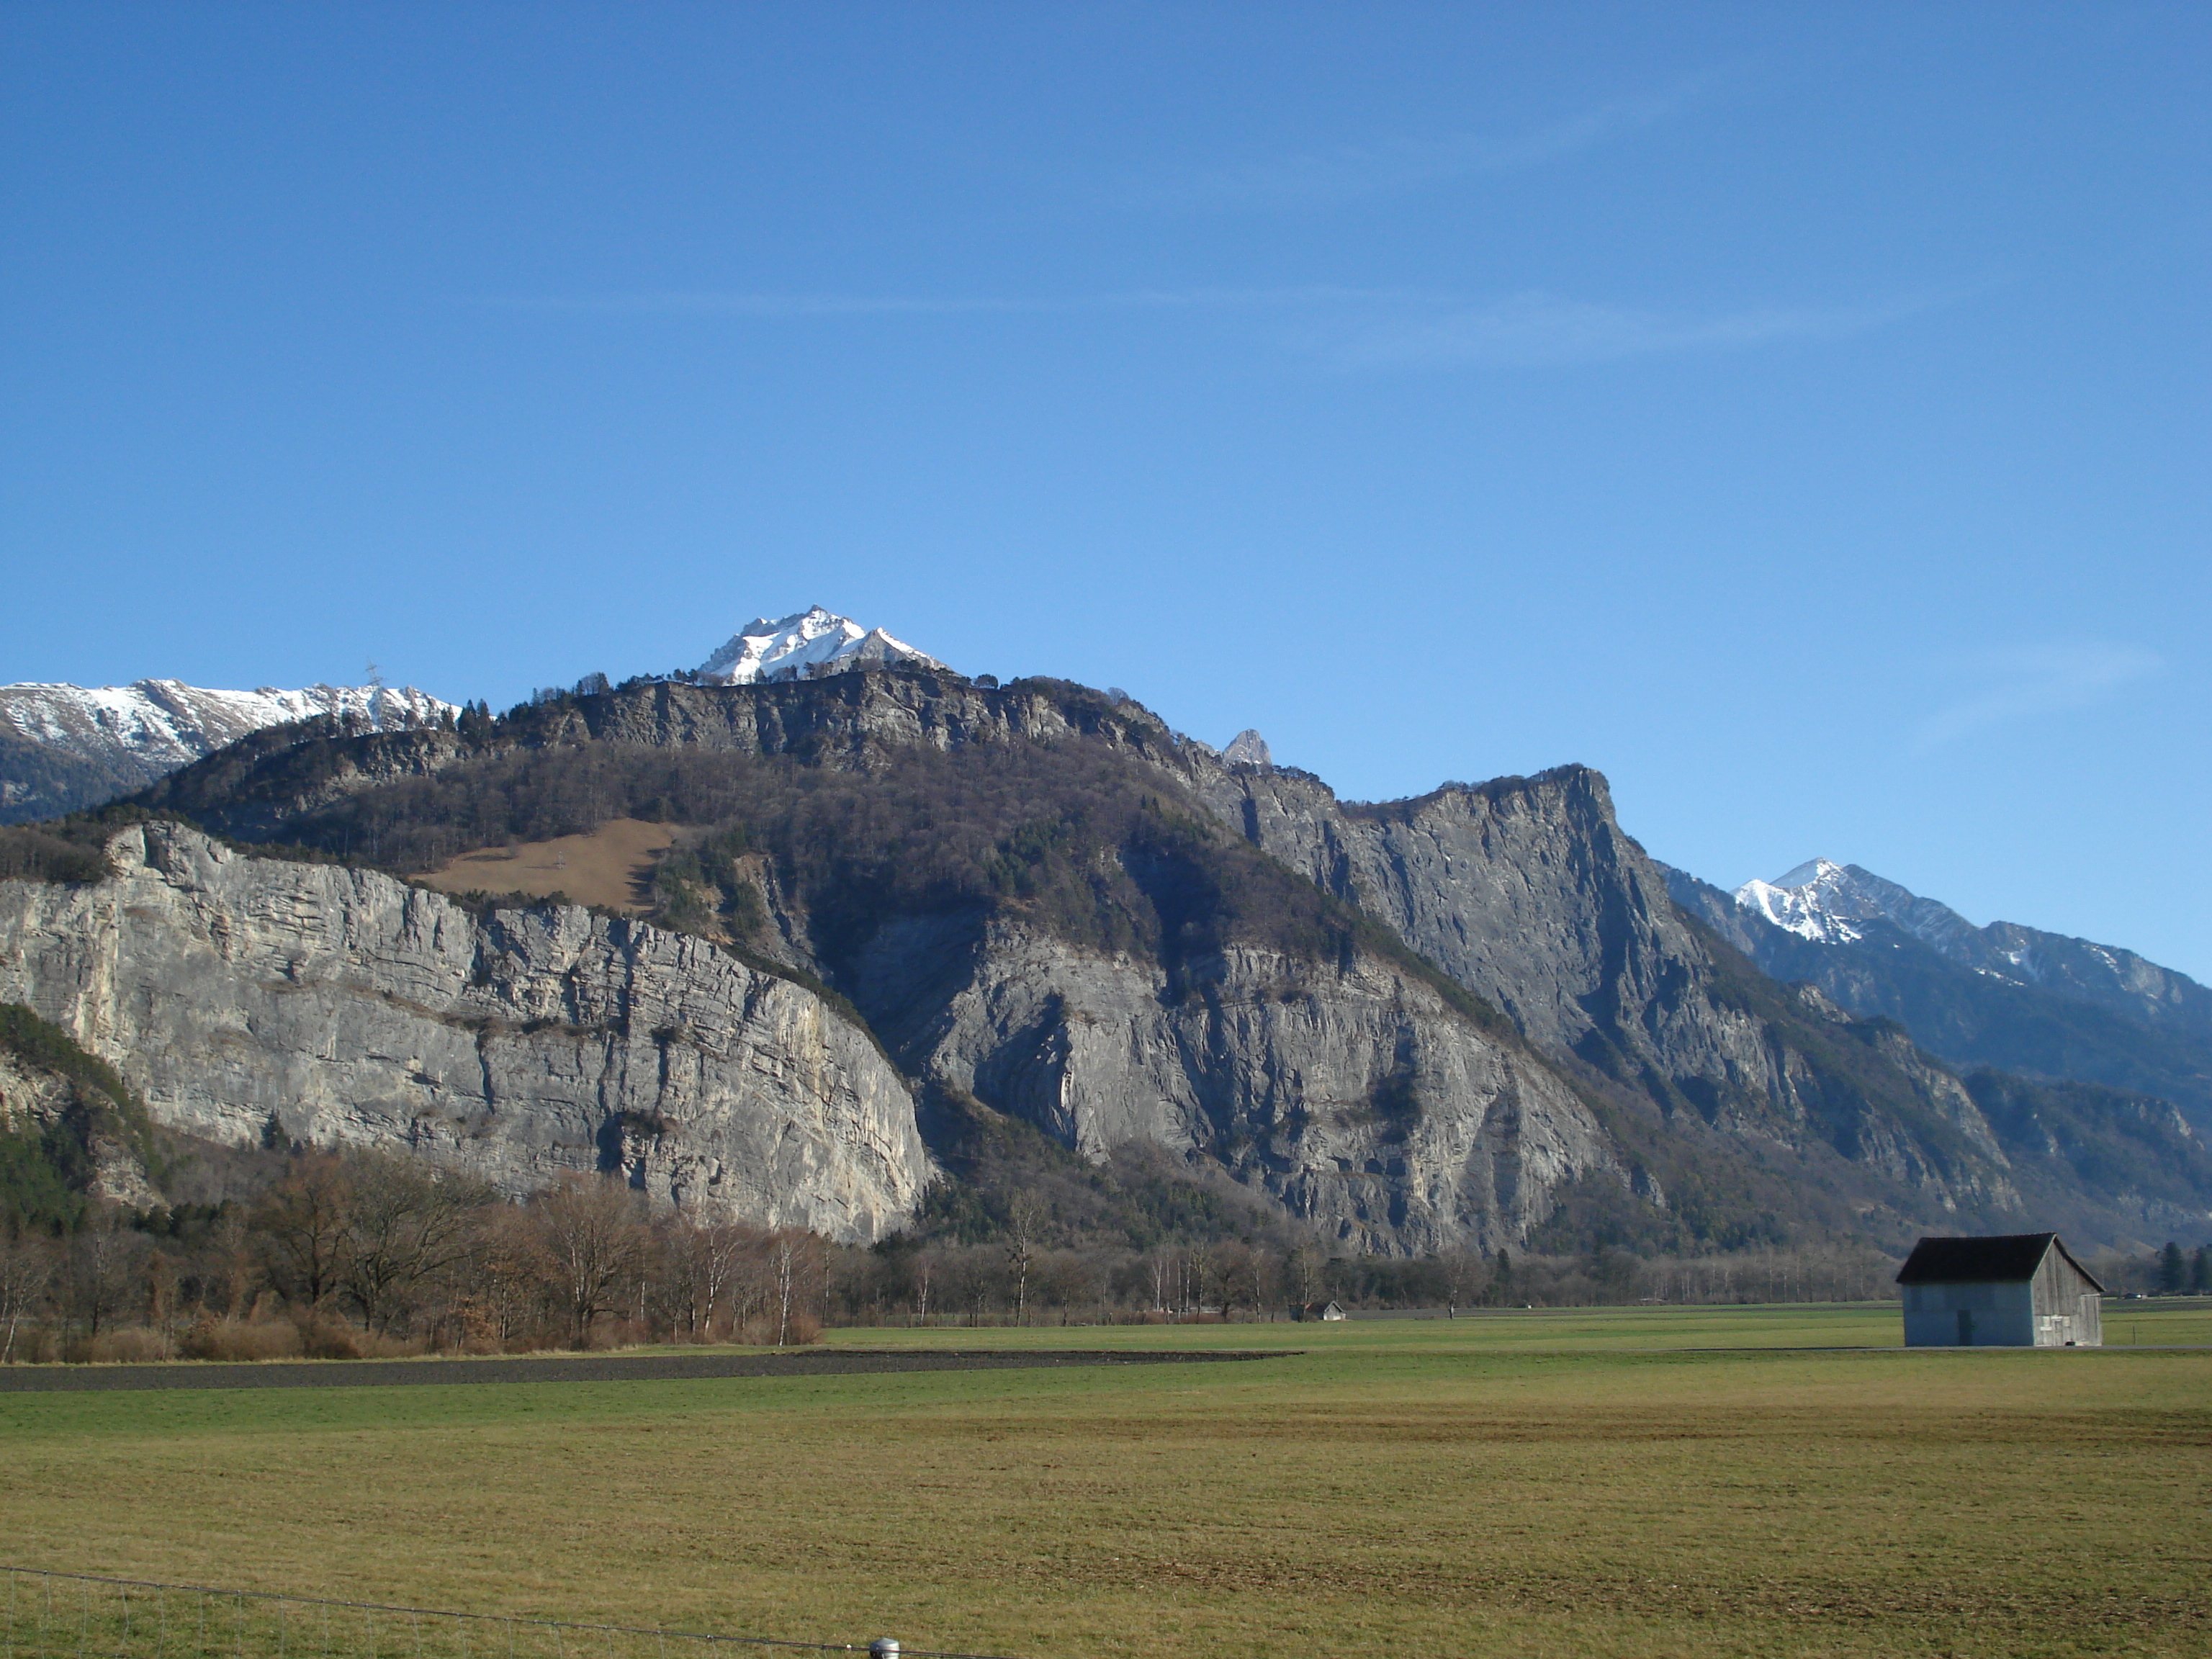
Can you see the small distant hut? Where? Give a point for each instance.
(2016, 1290)
(1318, 1311)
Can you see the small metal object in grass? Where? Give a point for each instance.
(883, 1646)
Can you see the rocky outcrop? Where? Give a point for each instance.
(1351, 1092)
(37, 1099)
(347, 1008)
(340, 1006)
(1529, 893)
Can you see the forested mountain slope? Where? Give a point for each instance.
(1471, 1019)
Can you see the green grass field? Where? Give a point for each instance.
(1590, 1482)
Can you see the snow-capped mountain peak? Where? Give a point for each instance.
(1842, 904)
(1830, 904)
(1805, 875)
(804, 645)
(1813, 901)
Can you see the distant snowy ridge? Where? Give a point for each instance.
(1840, 903)
(101, 741)
(802, 646)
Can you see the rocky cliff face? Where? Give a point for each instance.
(350, 1008)
(1654, 1060)
(37, 1099)
(1527, 892)
(1350, 1091)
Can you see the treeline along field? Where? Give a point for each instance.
(342, 1255)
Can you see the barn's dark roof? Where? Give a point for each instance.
(2008, 1258)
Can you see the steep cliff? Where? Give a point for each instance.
(1039, 896)
(1348, 1089)
(1529, 893)
(350, 1007)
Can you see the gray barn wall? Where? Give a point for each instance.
(2001, 1316)
(2057, 1307)
(2067, 1308)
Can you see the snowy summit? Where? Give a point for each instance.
(160, 724)
(804, 646)
(1806, 902)
(1832, 903)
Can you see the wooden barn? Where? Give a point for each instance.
(1318, 1311)
(2016, 1290)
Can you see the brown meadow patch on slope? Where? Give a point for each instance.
(610, 867)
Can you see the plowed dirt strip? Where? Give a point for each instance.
(659, 1368)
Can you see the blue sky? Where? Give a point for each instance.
(1798, 412)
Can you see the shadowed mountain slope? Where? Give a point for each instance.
(1975, 1017)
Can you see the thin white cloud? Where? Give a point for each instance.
(1543, 328)
(2022, 683)
(1351, 328)
(1393, 165)
(773, 307)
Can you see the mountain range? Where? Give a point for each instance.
(856, 917)
(63, 747)
(2005, 997)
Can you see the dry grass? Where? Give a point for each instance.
(1392, 1491)
(606, 867)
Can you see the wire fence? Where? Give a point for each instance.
(74, 1615)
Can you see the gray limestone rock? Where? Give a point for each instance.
(358, 1010)
(1246, 748)
(1351, 1092)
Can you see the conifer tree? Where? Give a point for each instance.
(2173, 1269)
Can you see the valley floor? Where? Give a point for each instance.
(1715, 1481)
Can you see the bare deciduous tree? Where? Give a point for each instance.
(784, 1268)
(1022, 1215)
(404, 1226)
(302, 1222)
(925, 1271)
(27, 1278)
(589, 1229)
(100, 1271)
(1236, 1271)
